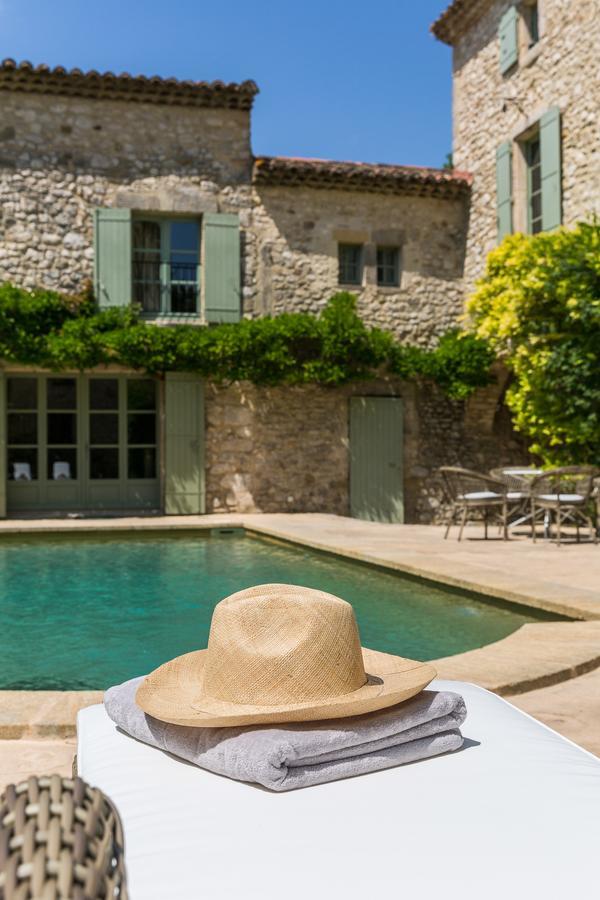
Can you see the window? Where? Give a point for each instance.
(166, 266)
(533, 161)
(388, 266)
(350, 263)
(532, 23)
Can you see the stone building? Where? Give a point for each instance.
(526, 114)
(149, 188)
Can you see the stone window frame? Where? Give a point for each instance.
(528, 51)
(343, 265)
(520, 175)
(369, 242)
(165, 220)
(395, 249)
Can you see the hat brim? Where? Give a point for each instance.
(171, 693)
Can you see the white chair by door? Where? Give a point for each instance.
(61, 470)
(22, 471)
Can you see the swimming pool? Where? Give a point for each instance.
(91, 611)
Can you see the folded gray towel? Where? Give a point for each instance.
(300, 754)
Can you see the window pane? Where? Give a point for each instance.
(104, 462)
(146, 235)
(388, 266)
(104, 393)
(61, 393)
(350, 263)
(22, 428)
(104, 428)
(184, 298)
(62, 428)
(62, 464)
(534, 152)
(22, 464)
(141, 462)
(141, 393)
(22, 393)
(147, 296)
(141, 428)
(184, 236)
(536, 206)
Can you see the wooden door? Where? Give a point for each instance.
(184, 446)
(376, 456)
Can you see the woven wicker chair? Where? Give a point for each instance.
(518, 492)
(60, 838)
(567, 494)
(472, 495)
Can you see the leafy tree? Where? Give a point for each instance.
(538, 305)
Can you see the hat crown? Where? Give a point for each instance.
(280, 644)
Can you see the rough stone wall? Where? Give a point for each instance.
(297, 231)
(562, 70)
(62, 156)
(286, 449)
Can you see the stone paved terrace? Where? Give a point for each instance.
(551, 670)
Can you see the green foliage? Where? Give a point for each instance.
(50, 330)
(538, 306)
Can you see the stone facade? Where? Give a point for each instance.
(561, 70)
(286, 449)
(297, 231)
(60, 157)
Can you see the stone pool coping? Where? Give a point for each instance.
(559, 580)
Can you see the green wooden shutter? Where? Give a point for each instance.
(184, 446)
(504, 189)
(222, 296)
(376, 459)
(3, 426)
(550, 167)
(112, 257)
(508, 37)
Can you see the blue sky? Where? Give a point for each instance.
(338, 80)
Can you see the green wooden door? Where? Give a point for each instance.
(184, 444)
(376, 451)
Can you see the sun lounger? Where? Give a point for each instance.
(513, 814)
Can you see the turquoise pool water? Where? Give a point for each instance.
(93, 611)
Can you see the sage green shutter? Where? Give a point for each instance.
(504, 189)
(222, 297)
(550, 169)
(112, 257)
(376, 459)
(508, 38)
(3, 426)
(184, 444)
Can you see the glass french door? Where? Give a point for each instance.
(82, 442)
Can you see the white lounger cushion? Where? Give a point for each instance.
(516, 814)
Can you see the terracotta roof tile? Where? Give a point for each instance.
(137, 88)
(357, 176)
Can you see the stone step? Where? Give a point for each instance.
(42, 714)
(536, 655)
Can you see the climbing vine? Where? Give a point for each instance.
(58, 332)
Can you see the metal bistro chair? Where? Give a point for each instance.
(566, 492)
(472, 495)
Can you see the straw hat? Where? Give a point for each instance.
(279, 653)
